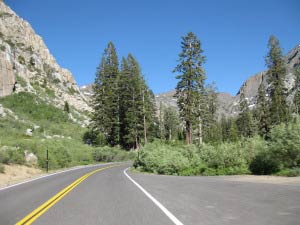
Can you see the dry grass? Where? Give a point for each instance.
(17, 173)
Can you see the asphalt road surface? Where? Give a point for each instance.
(109, 197)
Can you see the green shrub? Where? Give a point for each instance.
(11, 155)
(50, 92)
(2, 169)
(169, 159)
(21, 59)
(30, 107)
(3, 48)
(4, 156)
(285, 144)
(112, 154)
(226, 155)
(294, 172)
(72, 91)
(252, 146)
(94, 138)
(264, 164)
(20, 80)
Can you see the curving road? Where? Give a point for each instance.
(107, 196)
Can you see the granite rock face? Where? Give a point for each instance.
(27, 65)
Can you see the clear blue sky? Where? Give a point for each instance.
(234, 34)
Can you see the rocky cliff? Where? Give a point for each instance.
(250, 86)
(27, 65)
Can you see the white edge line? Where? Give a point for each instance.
(49, 175)
(156, 202)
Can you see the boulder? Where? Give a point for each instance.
(2, 113)
(30, 158)
(28, 132)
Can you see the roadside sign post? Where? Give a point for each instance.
(47, 160)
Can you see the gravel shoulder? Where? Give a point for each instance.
(264, 179)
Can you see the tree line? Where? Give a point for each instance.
(123, 105)
(125, 112)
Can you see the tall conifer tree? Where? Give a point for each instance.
(190, 87)
(262, 111)
(296, 99)
(106, 99)
(276, 75)
(245, 120)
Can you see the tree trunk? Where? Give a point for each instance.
(188, 134)
(200, 130)
(137, 146)
(144, 117)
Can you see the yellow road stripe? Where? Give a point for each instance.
(48, 204)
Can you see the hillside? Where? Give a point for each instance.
(33, 92)
(26, 64)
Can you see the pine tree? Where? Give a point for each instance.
(245, 120)
(262, 111)
(106, 98)
(171, 123)
(225, 128)
(137, 105)
(296, 99)
(276, 75)
(161, 121)
(210, 129)
(233, 132)
(190, 87)
(151, 122)
(125, 97)
(67, 107)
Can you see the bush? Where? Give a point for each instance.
(264, 164)
(285, 144)
(169, 159)
(2, 169)
(294, 172)
(4, 157)
(12, 155)
(110, 154)
(32, 108)
(91, 137)
(21, 59)
(226, 158)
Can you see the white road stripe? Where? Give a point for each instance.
(164, 209)
(49, 175)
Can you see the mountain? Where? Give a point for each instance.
(34, 92)
(26, 64)
(228, 104)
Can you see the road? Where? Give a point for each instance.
(109, 197)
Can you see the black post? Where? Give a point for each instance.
(47, 160)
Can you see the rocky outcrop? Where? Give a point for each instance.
(27, 65)
(87, 91)
(250, 86)
(30, 158)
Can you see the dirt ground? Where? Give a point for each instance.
(265, 179)
(17, 173)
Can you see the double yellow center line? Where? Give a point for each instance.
(31, 217)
